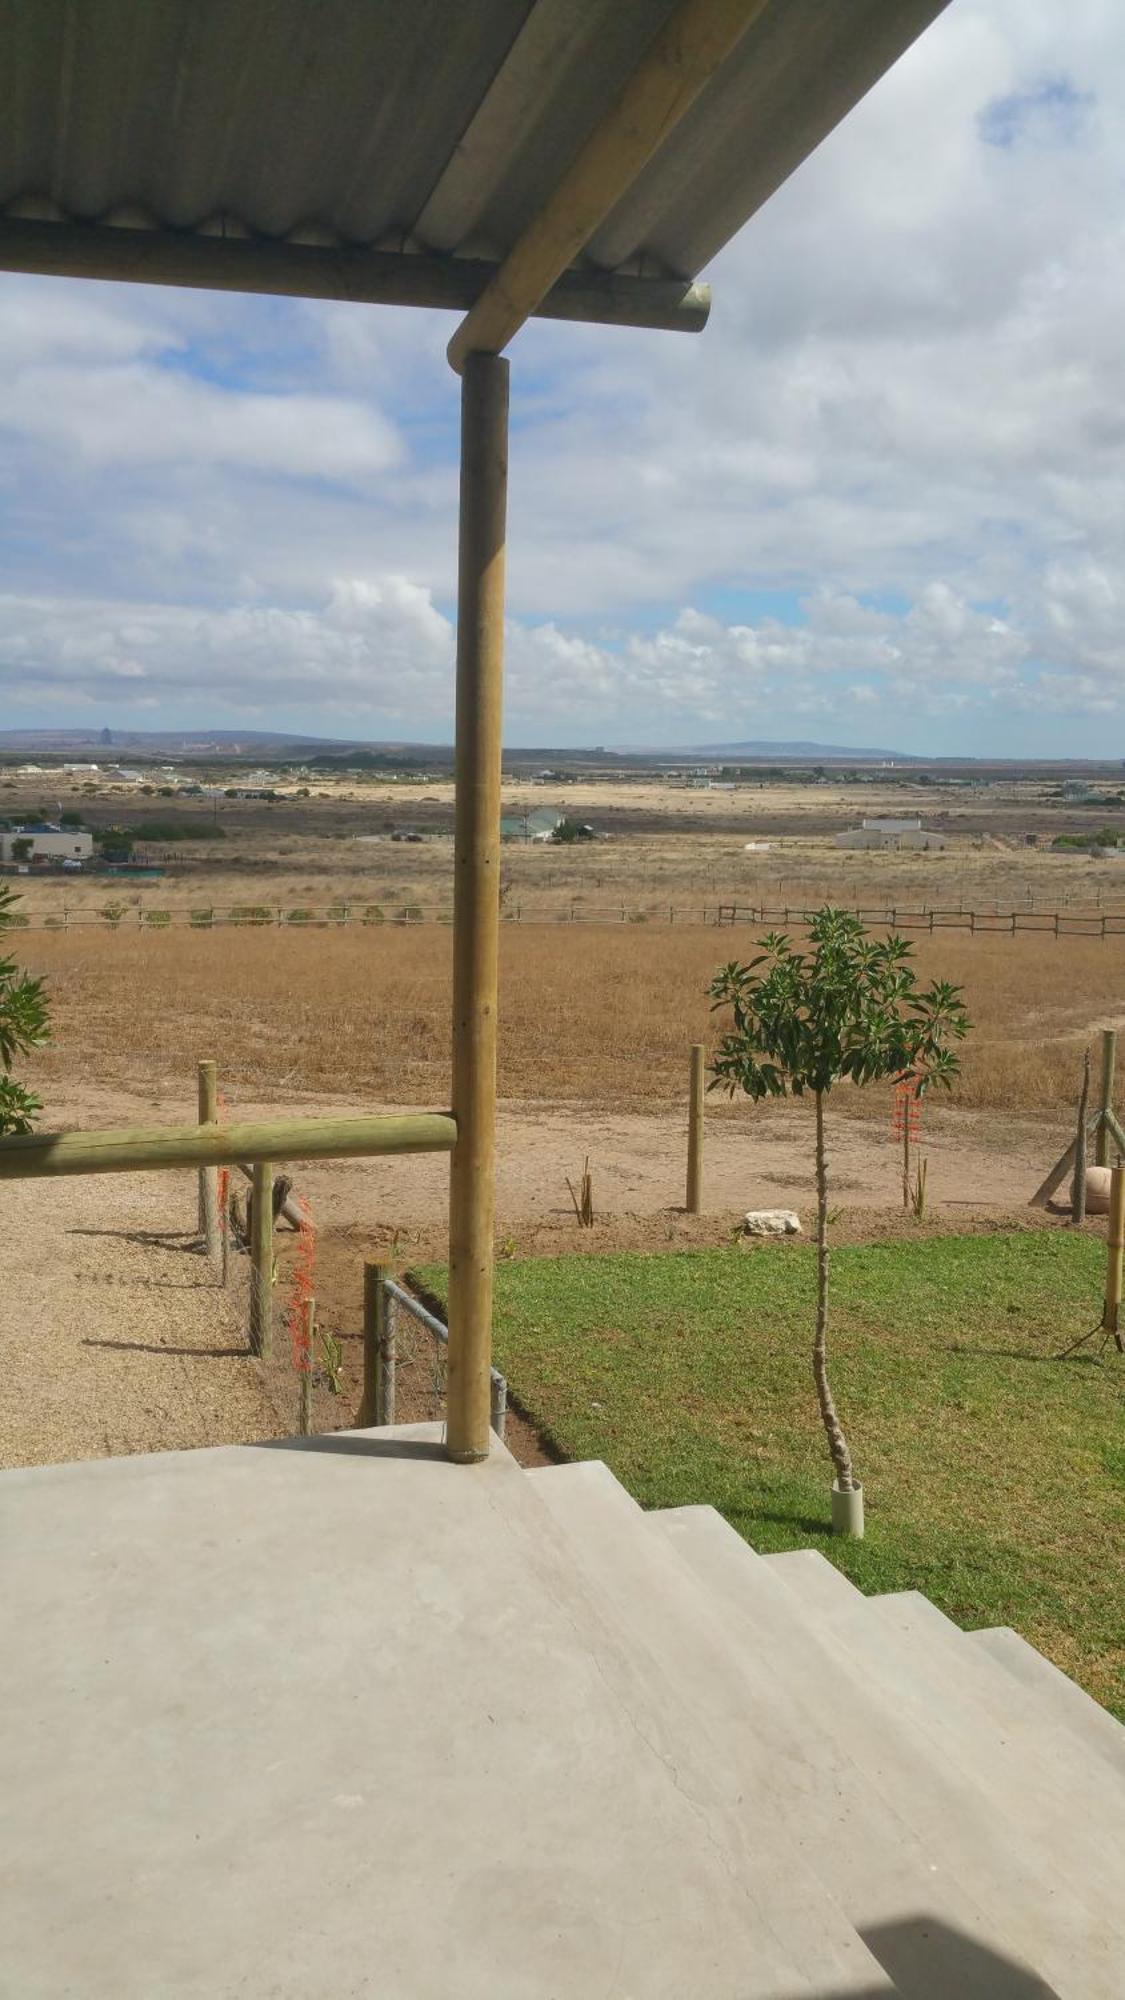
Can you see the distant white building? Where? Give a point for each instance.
(908, 834)
(80, 770)
(48, 843)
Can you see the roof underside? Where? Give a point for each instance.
(408, 125)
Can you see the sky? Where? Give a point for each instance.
(879, 501)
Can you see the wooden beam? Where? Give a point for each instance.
(684, 56)
(476, 898)
(37, 1155)
(364, 277)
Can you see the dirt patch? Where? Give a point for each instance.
(115, 1336)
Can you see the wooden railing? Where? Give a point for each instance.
(154, 1148)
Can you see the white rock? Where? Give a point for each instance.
(771, 1222)
(1097, 1191)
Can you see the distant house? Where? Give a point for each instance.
(900, 834)
(48, 843)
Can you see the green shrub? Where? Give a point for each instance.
(410, 913)
(301, 917)
(201, 919)
(251, 913)
(156, 920)
(373, 914)
(112, 913)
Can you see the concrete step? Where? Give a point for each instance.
(754, 1693)
(1023, 1727)
(1069, 1705)
(1071, 1937)
(338, 1717)
(1070, 1808)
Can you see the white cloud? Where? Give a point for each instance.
(378, 653)
(906, 415)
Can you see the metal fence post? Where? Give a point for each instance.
(498, 1404)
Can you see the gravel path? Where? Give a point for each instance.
(114, 1336)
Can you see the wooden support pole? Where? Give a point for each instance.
(476, 897)
(304, 271)
(208, 1182)
(261, 1259)
(1115, 1266)
(1078, 1197)
(1105, 1100)
(694, 1196)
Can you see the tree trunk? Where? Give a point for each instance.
(837, 1443)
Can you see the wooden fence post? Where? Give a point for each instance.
(208, 1177)
(304, 1410)
(377, 1404)
(1111, 1316)
(1078, 1197)
(261, 1259)
(695, 1132)
(1105, 1101)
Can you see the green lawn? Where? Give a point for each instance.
(994, 1476)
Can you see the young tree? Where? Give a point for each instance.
(23, 1026)
(850, 1007)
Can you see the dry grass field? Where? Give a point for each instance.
(589, 1015)
(664, 846)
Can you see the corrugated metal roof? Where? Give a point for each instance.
(420, 124)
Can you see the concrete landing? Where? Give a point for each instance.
(338, 1718)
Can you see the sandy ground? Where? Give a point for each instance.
(114, 1334)
(116, 1337)
(755, 1158)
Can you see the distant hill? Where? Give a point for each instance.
(838, 752)
(109, 745)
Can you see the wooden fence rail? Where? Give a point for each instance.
(151, 1149)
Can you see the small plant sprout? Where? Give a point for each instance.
(331, 1359)
(582, 1197)
(849, 1008)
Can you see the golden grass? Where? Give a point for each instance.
(602, 1016)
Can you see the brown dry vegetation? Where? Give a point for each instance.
(646, 873)
(588, 1015)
